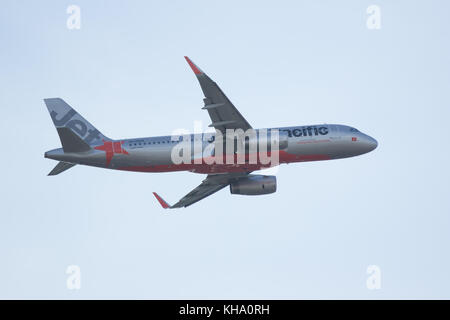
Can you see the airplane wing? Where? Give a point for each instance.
(212, 184)
(222, 112)
(224, 115)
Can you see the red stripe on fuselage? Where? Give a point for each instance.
(284, 157)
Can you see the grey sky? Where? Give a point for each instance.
(281, 63)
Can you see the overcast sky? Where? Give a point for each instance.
(281, 63)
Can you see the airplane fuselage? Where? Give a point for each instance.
(154, 154)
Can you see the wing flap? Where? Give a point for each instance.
(199, 193)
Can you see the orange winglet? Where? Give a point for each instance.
(164, 204)
(193, 66)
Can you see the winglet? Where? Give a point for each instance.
(194, 68)
(164, 204)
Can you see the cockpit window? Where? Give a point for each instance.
(353, 130)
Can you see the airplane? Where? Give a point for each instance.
(83, 144)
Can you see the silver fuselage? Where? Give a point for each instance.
(154, 154)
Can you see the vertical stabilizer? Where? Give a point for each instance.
(64, 116)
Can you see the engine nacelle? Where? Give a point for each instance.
(254, 185)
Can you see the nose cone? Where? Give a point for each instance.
(369, 143)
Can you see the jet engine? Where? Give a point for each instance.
(254, 185)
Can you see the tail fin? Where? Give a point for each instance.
(75, 132)
(71, 142)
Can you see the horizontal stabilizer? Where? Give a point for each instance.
(61, 167)
(71, 142)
